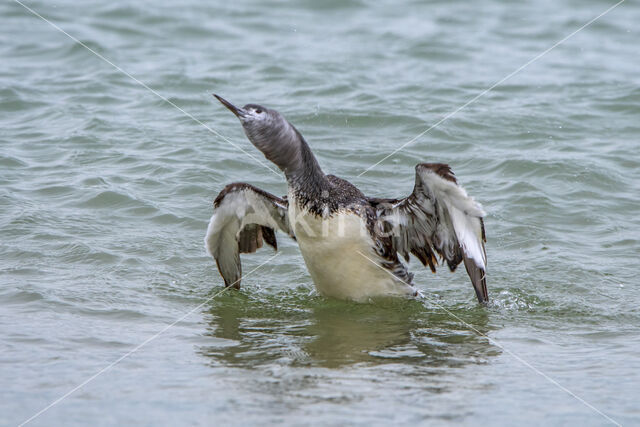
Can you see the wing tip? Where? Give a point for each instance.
(235, 284)
(443, 170)
(478, 278)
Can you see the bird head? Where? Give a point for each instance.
(270, 133)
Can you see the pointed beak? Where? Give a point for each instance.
(239, 112)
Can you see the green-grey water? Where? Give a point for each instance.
(106, 191)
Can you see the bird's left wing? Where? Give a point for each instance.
(243, 218)
(439, 217)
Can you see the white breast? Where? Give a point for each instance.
(334, 250)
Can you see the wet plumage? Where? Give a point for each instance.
(351, 244)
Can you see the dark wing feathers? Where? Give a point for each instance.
(244, 218)
(437, 217)
(252, 236)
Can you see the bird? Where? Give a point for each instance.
(352, 245)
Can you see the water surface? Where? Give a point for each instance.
(106, 190)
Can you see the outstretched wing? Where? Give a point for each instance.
(439, 217)
(243, 218)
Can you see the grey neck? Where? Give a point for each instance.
(306, 176)
(282, 144)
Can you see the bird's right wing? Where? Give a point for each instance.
(243, 218)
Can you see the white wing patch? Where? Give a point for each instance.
(243, 209)
(464, 212)
(438, 217)
(236, 211)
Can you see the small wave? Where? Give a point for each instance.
(11, 162)
(83, 253)
(21, 296)
(11, 100)
(167, 219)
(110, 200)
(55, 191)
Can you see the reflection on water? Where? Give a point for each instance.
(313, 331)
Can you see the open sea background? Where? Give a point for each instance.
(106, 191)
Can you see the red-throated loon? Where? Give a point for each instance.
(350, 243)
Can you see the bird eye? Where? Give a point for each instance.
(258, 111)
